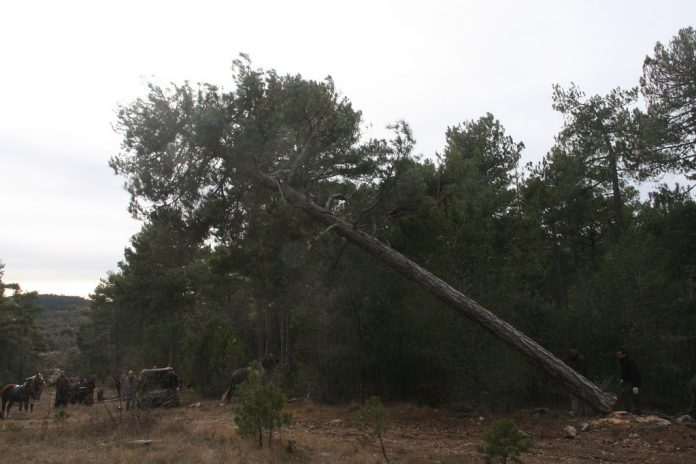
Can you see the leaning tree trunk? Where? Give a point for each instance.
(573, 381)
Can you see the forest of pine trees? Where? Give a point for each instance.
(575, 249)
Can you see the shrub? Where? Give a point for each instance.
(505, 441)
(12, 427)
(373, 415)
(260, 406)
(61, 416)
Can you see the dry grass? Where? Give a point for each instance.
(204, 434)
(104, 433)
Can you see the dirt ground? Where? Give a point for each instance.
(418, 434)
(204, 431)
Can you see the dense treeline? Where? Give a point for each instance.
(37, 332)
(59, 319)
(21, 340)
(565, 250)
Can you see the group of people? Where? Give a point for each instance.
(629, 387)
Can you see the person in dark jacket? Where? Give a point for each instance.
(629, 392)
(578, 363)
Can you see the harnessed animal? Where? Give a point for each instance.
(25, 394)
(238, 377)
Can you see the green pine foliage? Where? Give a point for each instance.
(260, 407)
(668, 84)
(21, 339)
(373, 419)
(566, 250)
(503, 442)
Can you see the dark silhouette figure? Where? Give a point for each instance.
(629, 392)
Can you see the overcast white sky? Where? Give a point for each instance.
(66, 65)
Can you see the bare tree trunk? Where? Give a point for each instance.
(617, 199)
(260, 326)
(573, 381)
(281, 336)
(285, 339)
(361, 344)
(267, 345)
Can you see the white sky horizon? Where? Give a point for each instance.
(67, 66)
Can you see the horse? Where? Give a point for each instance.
(24, 394)
(268, 363)
(238, 377)
(38, 383)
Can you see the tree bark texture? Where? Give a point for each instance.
(573, 381)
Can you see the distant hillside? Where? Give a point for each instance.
(59, 321)
(62, 302)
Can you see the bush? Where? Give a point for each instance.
(374, 415)
(61, 416)
(12, 427)
(505, 441)
(260, 406)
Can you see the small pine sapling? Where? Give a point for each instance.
(260, 406)
(504, 440)
(373, 416)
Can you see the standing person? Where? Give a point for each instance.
(128, 389)
(629, 393)
(578, 363)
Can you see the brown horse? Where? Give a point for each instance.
(37, 381)
(24, 394)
